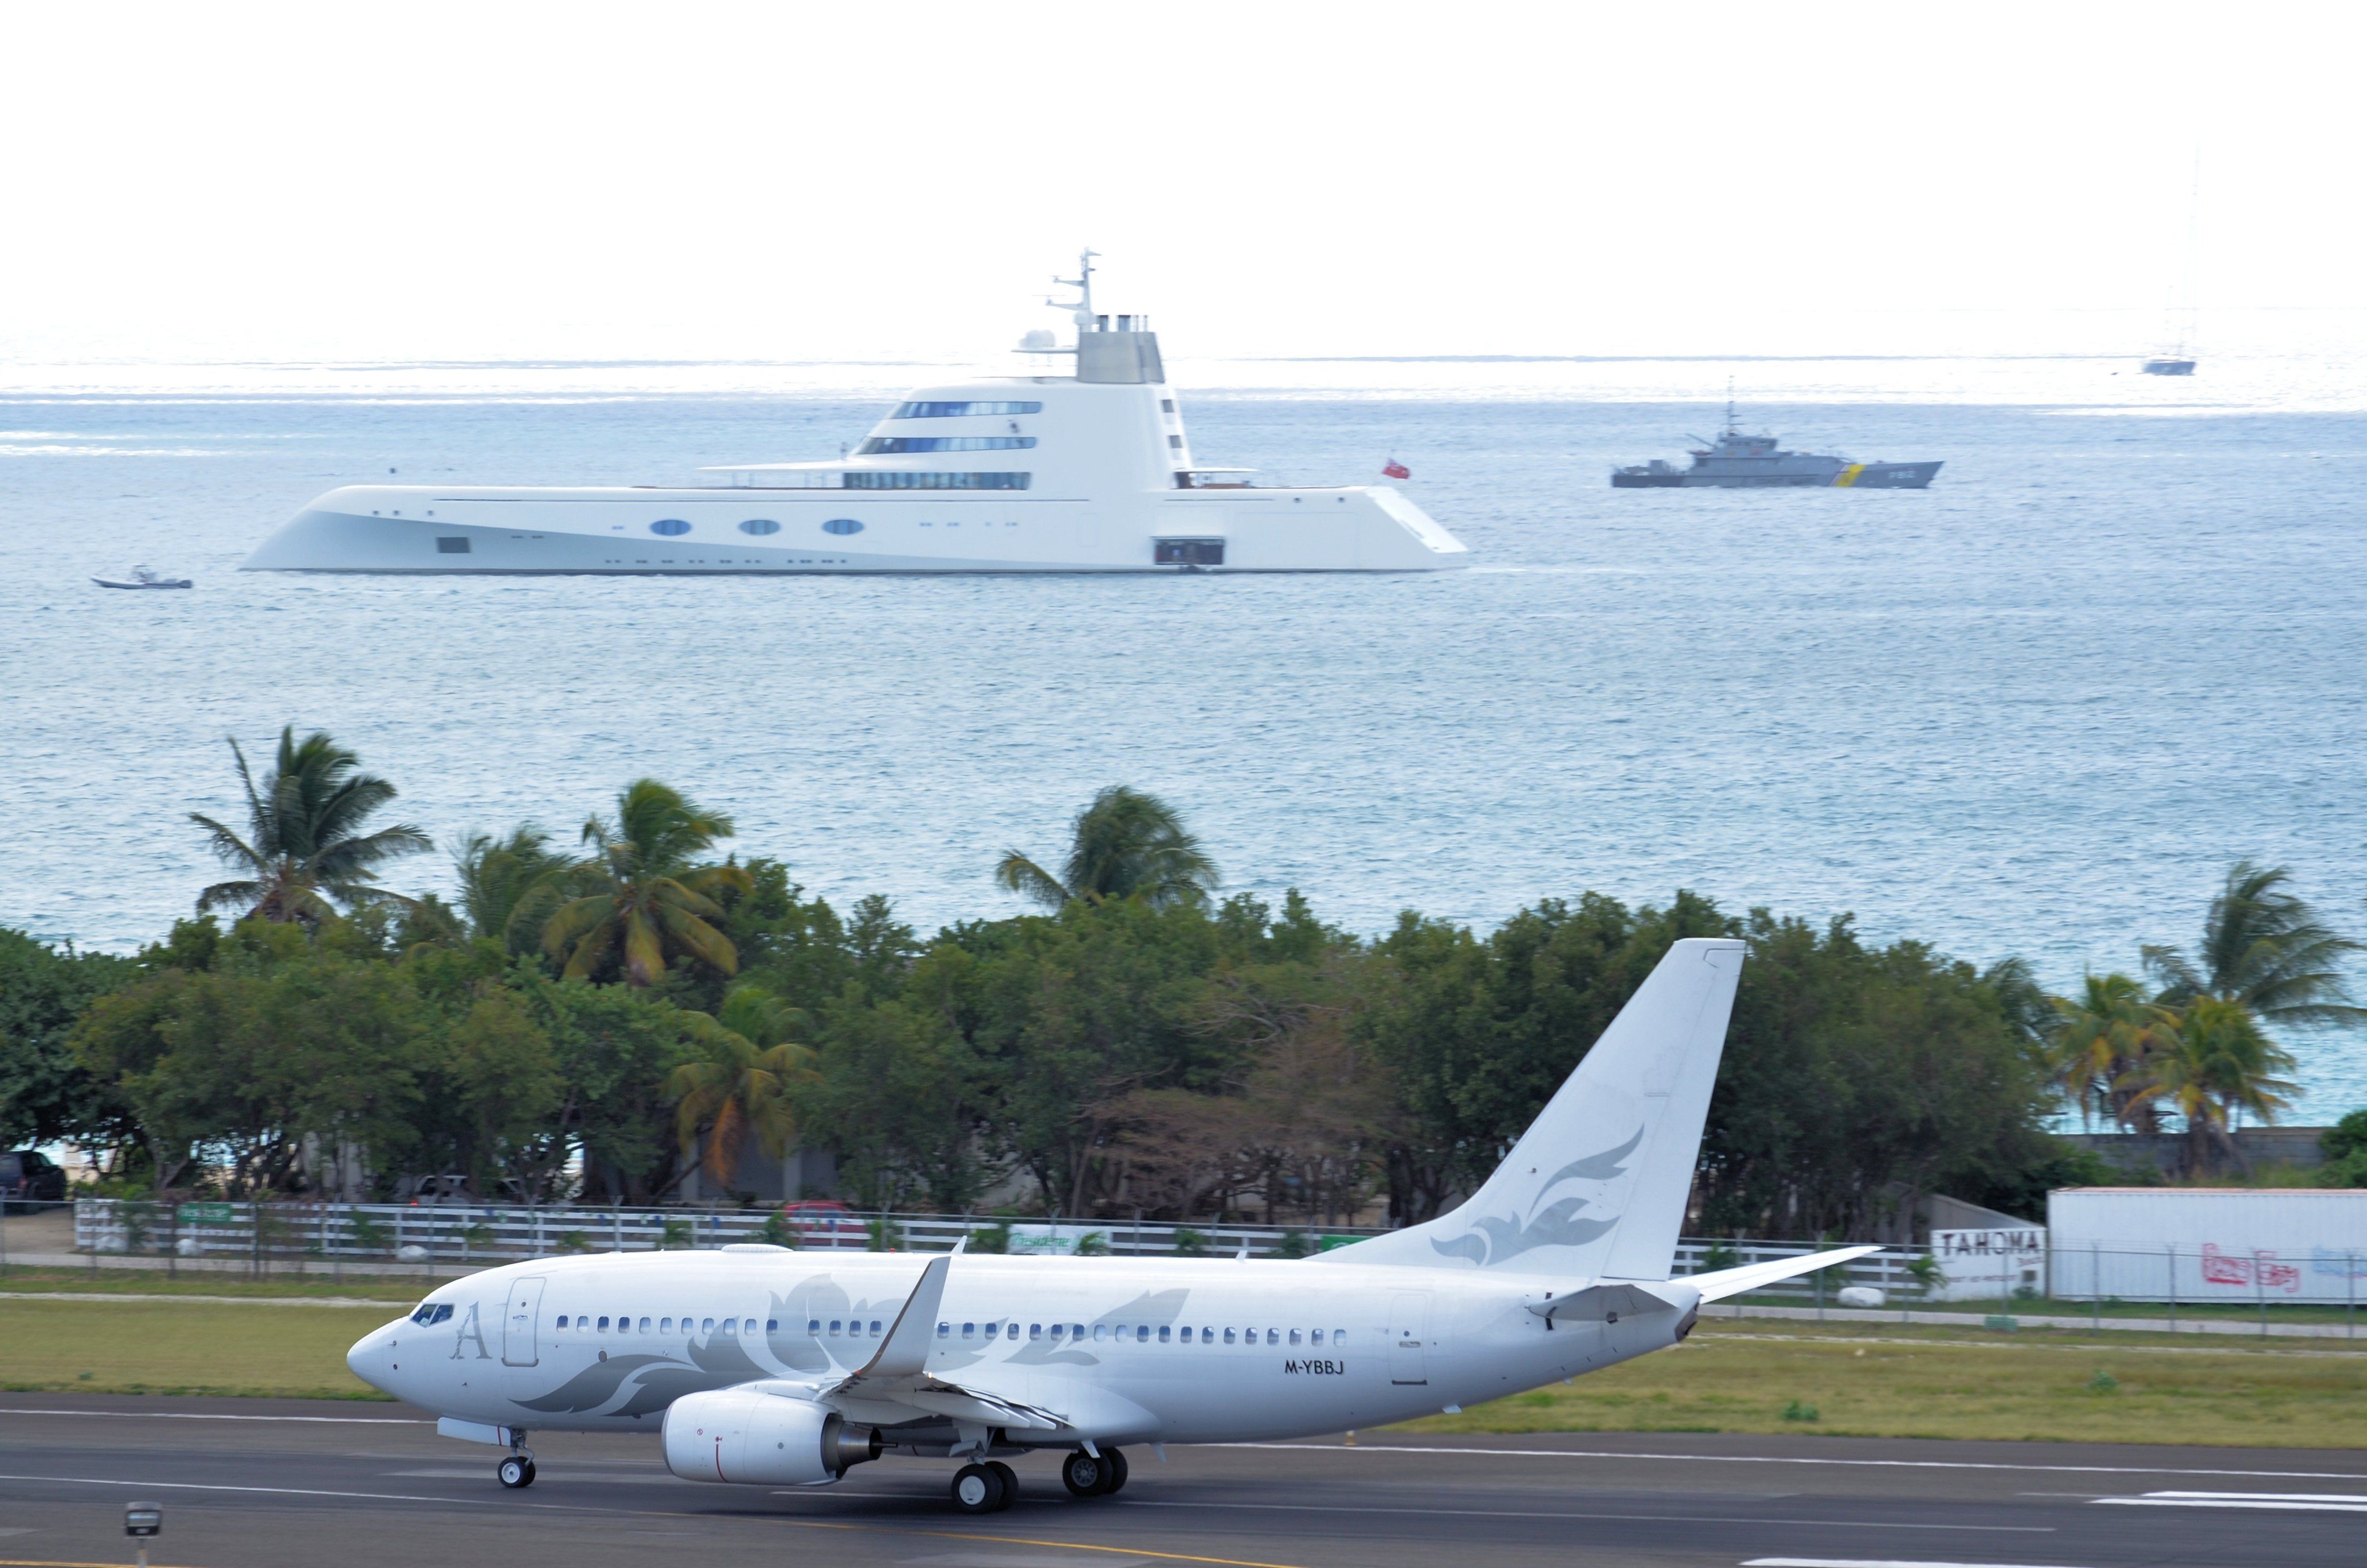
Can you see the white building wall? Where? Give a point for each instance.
(2235, 1246)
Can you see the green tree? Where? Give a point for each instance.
(2212, 1061)
(615, 1047)
(2265, 948)
(45, 1093)
(510, 887)
(305, 852)
(1125, 843)
(740, 1081)
(651, 902)
(2102, 1043)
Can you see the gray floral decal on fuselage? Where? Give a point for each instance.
(1492, 1239)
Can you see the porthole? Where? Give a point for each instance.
(669, 526)
(760, 525)
(842, 526)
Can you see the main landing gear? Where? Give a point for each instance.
(986, 1488)
(1086, 1476)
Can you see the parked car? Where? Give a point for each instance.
(31, 1174)
(436, 1189)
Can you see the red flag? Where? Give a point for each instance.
(1396, 470)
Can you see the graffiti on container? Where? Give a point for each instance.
(2342, 1265)
(2259, 1269)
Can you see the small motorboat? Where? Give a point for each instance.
(143, 577)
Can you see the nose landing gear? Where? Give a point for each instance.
(986, 1488)
(517, 1471)
(1086, 1476)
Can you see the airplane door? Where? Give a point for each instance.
(1409, 1327)
(520, 1319)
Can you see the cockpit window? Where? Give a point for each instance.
(443, 1312)
(425, 1313)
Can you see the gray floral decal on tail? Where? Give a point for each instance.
(1492, 1241)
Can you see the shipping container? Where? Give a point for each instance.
(2209, 1244)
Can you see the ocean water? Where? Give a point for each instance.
(2034, 710)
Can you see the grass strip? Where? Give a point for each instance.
(1935, 1383)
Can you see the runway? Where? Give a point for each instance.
(258, 1483)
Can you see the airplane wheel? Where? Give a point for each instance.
(515, 1473)
(978, 1489)
(1116, 1466)
(1010, 1479)
(1082, 1474)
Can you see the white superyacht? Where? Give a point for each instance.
(1082, 473)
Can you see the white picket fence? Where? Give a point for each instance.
(448, 1238)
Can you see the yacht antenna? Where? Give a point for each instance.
(1084, 283)
(1730, 405)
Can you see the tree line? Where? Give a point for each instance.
(603, 1020)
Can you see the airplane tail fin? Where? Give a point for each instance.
(1597, 1185)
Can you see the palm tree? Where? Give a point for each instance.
(1124, 844)
(305, 851)
(2264, 946)
(2105, 1037)
(649, 902)
(738, 1085)
(510, 886)
(2214, 1061)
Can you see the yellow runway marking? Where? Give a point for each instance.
(1080, 1545)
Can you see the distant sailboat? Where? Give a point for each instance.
(2184, 327)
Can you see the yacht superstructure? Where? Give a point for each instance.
(1087, 471)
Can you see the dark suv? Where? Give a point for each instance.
(29, 1174)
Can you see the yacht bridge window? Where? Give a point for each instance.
(886, 479)
(962, 410)
(877, 445)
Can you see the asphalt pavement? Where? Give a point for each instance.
(259, 1483)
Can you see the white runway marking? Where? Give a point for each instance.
(1874, 1562)
(190, 1415)
(2306, 1502)
(1787, 1458)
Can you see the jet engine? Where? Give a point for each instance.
(746, 1435)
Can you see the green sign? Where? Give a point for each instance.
(205, 1214)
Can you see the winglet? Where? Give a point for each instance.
(905, 1352)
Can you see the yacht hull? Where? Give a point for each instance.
(742, 531)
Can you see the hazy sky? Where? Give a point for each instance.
(796, 181)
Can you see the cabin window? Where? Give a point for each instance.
(875, 1328)
(604, 1325)
(733, 1327)
(1229, 1337)
(670, 526)
(665, 1326)
(1100, 1331)
(451, 546)
(1035, 1331)
(760, 525)
(772, 1326)
(879, 446)
(1274, 1337)
(1163, 1333)
(1294, 1336)
(1166, 405)
(1208, 1337)
(748, 1325)
(563, 1319)
(943, 1329)
(1316, 1337)
(1076, 1331)
(842, 526)
(962, 410)
(1176, 443)
(834, 1328)
(1187, 552)
(707, 1325)
(969, 1331)
(1339, 1337)
(1142, 1334)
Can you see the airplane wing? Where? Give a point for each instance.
(897, 1375)
(1724, 1282)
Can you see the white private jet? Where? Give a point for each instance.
(772, 1367)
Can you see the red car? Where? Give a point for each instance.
(826, 1222)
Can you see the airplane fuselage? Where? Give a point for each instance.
(1120, 1350)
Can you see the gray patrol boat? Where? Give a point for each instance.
(1736, 461)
